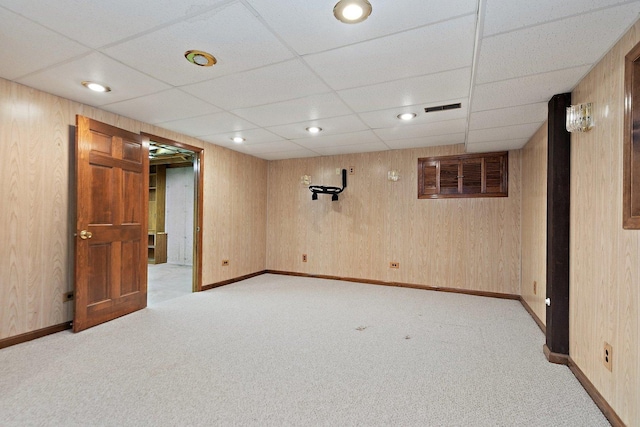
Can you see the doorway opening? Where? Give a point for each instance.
(174, 212)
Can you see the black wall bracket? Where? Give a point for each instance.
(334, 191)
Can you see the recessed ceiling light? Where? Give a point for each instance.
(96, 87)
(238, 139)
(352, 11)
(314, 129)
(406, 116)
(198, 57)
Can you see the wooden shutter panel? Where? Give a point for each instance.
(449, 172)
(495, 171)
(471, 176)
(428, 178)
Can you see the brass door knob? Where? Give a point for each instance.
(84, 235)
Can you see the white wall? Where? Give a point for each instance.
(179, 215)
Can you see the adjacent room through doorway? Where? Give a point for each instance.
(172, 215)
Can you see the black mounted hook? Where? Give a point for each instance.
(334, 191)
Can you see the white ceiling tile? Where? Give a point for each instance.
(486, 147)
(309, 26)
(428, 89)
(451, 139)
(65, 80)
(330, 126)
(521, 114)
(294, 111)
(294, 154)
(232, 34)
(272, 147)
(273, 83)
(552, 46)
(507, 15)
(27, 47)
(162, 106)
(251, 136)
(351, 149)
(428, 50)
(210, 124)
(525, 90)
(97, 23)
(406, 130)
(353, 138)
(503, 133)
(389, 117)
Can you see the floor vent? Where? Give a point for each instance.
(443, 107)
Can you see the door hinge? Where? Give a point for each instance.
(548, 302)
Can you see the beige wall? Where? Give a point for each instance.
(534, 222)
(458, 243)
(36, 246)
(605, 259)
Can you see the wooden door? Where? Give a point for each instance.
(111, 224)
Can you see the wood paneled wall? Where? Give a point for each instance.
(534, 222)
(235, 211)
(37, 214)
(471, 244)
(605, 259)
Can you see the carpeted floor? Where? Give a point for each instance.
(281, 351)
(167, 281)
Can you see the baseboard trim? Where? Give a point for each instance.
(38, 333)
(557, 358)
(595, 395)
(535, 317)
(234, 280)
(399, 285)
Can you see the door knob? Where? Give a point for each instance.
(84, 235)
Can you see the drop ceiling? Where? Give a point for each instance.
(285, 65)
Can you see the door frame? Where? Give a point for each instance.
(198, 170)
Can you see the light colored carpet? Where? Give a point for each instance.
(167, 281)
(282, 351)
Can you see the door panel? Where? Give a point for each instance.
(111, 195)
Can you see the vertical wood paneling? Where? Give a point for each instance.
(534, 221)
(36, 219)
(605, 266)
(235, 192)
(465, 243)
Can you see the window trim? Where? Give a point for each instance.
(424, 193)
(631, 164)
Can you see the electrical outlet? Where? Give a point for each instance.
(338, 171)
(67, 296)
(394, 265)
(535, 287)
(304, 257)
(352, 170)
(607, 356)
(225, 262)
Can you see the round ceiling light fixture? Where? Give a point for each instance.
(314, 129)
(238, 139)
(406, 116)
(352, 11)
(96, 87)
(200, 58)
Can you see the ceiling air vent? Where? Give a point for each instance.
(443, 107)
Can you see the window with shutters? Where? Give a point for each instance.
(466, 175)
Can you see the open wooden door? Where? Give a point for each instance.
(111, 246)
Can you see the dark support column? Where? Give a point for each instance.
(558, 202)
